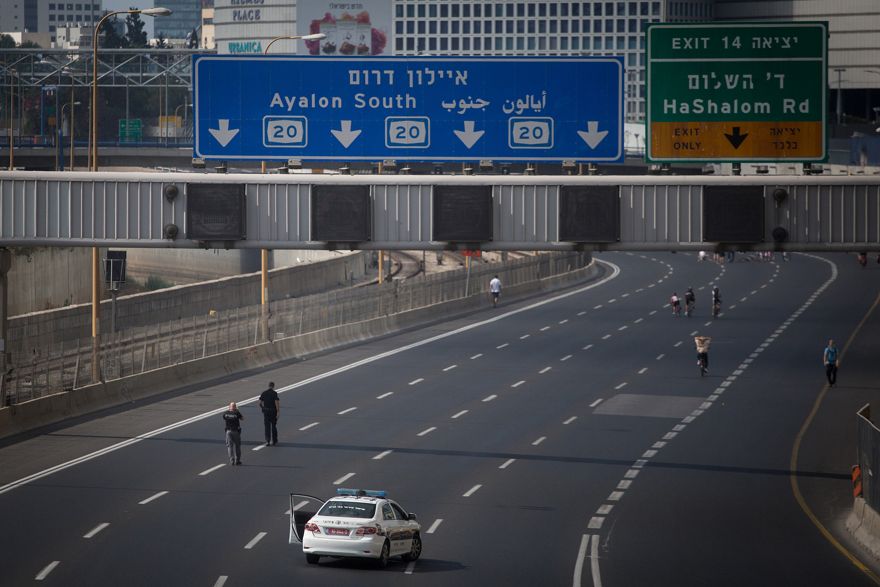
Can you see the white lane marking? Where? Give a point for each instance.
(763, 286)
(642, 370)
(416, 381)
(212, 469)
(259, 447)
(518, 383)
(96, 529)
(709, 323)
(384, 395)
(545, 328)
(624, 484)
(652, 312)
(595, 522)
(345, 411)
(154, 497)
(670, 435)
(524, 336)
(382, 455)
(221, 581)
(694, 333)
(641, 289)
(450, 368)
(732, 306)
(477, 356)
(544, 370)
(640, 463)
(660, 356)
(701, 288)
(433, 527)
(489, 398)
(579, 563)
(471, 491)
(606, 337)
(539, 441)
(624, 327)
(605, 509)
(597, 307)
(677, 344)
(626, 295)
(307, 426)
(460, 414)
(621, 385)
(254, 540)
(637, 320)
(565, 358)
(501, 346)
(679, 427)
(582, 313)
(596, 403)
(410, 567)
(507, 463)
(615, 496)
(648, 454)
(570, 420)
(426, 431)
(688, 419)
(754, 291)
(631, 474)
(615, 272)
(738, 372)
(343, 479)
(298, 506)
(612, 300)
(46, 570)
(659, 444)
(743, 299)
(563, 321)
(588, 347)
(652, 285)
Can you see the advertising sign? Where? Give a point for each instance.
(353, 29)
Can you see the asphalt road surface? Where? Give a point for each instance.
(563, 440)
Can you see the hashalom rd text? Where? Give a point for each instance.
(736, 106)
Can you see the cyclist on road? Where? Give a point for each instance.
(675, 302)
(702, 343)
(690, 300)
(495, 290)
(716, 301)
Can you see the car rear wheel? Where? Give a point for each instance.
(382, 561)
(415, 551)
(313, 559)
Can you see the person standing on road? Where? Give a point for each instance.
(232, 418)
(270, 403)
(495, 290)
(830, 358)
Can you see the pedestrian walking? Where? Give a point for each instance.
(232, 418)
(495, 290)
(270, 403)
(831, 359)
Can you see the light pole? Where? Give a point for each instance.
(70, 126)
(264, 253)
(839, 113)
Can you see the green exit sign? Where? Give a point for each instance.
(737, 91)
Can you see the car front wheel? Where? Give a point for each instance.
(313, 559)
(382, 561)
(415, 551)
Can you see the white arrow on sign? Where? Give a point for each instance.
(345, 135)
(469, 136)
(592, 136)
(223, 134)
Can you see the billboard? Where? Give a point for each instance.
(353, 29)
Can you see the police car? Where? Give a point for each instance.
(354, 523)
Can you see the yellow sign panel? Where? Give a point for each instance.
(737, 141)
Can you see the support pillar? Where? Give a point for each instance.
(264, 294)
(5, 265)
(96, 316)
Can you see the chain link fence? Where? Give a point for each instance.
(68, 365)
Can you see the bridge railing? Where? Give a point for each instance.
(869, 456)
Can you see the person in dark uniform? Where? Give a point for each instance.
(232, 418)
(271, 405)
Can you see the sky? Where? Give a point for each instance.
(126, 4)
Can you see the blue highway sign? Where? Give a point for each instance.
(418, 109)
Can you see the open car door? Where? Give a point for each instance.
(302, 508)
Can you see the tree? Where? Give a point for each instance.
(112, 40)
(7, 42)
(29, 45)
(134, 31)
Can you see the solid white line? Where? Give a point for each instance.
(307, 426)
(477, 356)
(596, 403)
(426, 431)
(594, 562)
(433, 527)
(259, 447)
(471, 491)
(409, 568)
(501, 346)
(450, 368)
(642, 370)
(96, 529)
(343, 479)
(615, 272)
(579, 563)
(507, 463)
(415, 381)
(621, 385)
(570, 420)
(212, 469)
(153, 497)
(254, 540)
(565, 358)
(384, 395)
(518, 383)
(545, 328)
(660, 356)
(345, 411)
(539, 441)
(544, 370)
(221, 581)
(461, 413)
(524, 336)
(46, 570)
(489, 398)
(382, 455)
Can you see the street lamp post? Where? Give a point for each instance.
(93, 166)
(839, 112)
(264, 253)
(70, 125)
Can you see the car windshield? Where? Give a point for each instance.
(348, 509)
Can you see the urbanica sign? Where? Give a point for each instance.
(737, 92)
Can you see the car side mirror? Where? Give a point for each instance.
(412, 517)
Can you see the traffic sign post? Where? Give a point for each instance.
(424, 109)
(737, 92)
(130, 130)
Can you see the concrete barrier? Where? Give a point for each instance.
(864, 524)
(54, 408)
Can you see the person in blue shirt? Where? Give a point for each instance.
(831, 360)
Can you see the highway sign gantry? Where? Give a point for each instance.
(737, 92)
(422, 109)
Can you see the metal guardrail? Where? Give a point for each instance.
(869, 456)
(37, 372)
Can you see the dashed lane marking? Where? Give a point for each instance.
(410, 567)
(595, 522)
(615, 496)
(46, 570)
(588, 347)
(345, 411)
(624, 327)
(343, 479)
(489, 398)
(384, 395)
(382, 455)
(307, 426)
(544, 370)
(709, 323)
(694, 333)
(539, 441)
(518, 383)
(524, 336)
(563, 321)
(501, 346)
(450, 368)
(596, 403)
(477, 356)
(606, 337)
(507, 463)
(637, 320)
(652, 312)
(416, 381)
(678, 344)
(597, 307)
(620, 385)
(221, 581)
(660, 356)
(154, 497)
(259, 447)
(255, 540)
(565, 358)
(582, 313)
(212, 469)
(459, 414)
(642, 370)
(570, 420)
(426, 431)
(434, 526)
(96, 529)
(471, 491)
(545, 328)
(605, 509)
